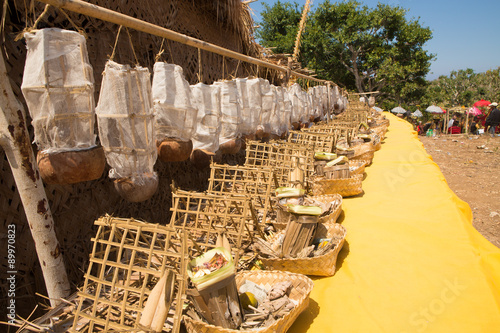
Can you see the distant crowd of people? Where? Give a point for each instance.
(488, 124)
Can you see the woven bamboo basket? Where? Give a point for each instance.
(380, 130)
(357, 167)
(363, 149)
(301, 288)
(346, 187)
(323, 265)
(337, 171)
(283, 217)
(367, 157)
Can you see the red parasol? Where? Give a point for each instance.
(482, 103)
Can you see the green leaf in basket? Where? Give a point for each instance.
(320, 155)
(289, 192)
(305, 210)
(339, 160)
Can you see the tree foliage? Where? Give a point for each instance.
(279, 26)
(463, 88)
(359, 47)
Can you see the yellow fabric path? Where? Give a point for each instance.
(412, 261)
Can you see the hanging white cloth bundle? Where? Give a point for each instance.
(306, 109)
(264, 128)
(175, 116)
(206, 99)
(229, 137)
(286, 116)
(278, 109)
(250, 101)
(294, 94)
(58, 86)
(126, 130)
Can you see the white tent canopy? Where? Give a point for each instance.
(434, 109)
(417, 113)
(376, 108)
(398, 109)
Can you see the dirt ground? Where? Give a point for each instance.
(470, 165)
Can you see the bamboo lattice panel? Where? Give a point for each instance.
(258, 183)
(128, 258)
(280, 156)
(323, 142)
(203, 216)
(338, 132)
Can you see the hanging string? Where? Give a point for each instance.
(132, 46)
(236, 70)
(157, 57)
(28, 29)
(116, 42)
(79, 29)
(45, 10)
(170, 51)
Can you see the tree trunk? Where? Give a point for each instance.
(15, 141)
(357, 76)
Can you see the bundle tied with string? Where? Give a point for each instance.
(229, 136)
(58, 86)
(206, 99)
(264, 127)
(250, 101)
(298, 104)
(315, 98)
(274, 119)
(175, 117)
(285, 114)
(126, 130)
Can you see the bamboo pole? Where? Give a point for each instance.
(108, 15)
(14, 139)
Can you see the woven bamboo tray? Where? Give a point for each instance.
(323, 265)
(301, 288)
(346, 187)
(329, 218)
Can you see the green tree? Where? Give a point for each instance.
(463, 87)
(279, 26)
(355, 46)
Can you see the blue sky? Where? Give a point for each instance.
(466, 34)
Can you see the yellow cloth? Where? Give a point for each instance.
(412, 261)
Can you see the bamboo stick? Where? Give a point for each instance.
(108, 15)
(15, 141)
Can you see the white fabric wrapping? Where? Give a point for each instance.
(294, 93)
(250, 101)
(324, 101)
(267, 105)
(58, 86)
(278, 109)
(175, 116)
(306, 110)
(230, 111)
(126, 122)
(286, 121)
(206, 99)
